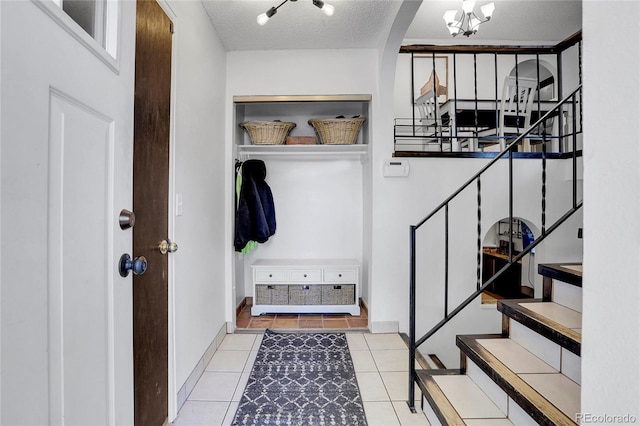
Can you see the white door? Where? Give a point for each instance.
(65, 160)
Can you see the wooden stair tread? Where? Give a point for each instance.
(488, 422)
(458, 399)
(436, 398)
(515, 357)
(567, 272)
(467, 398)
(514, 384)
(543, 318)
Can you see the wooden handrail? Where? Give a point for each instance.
(531, 50)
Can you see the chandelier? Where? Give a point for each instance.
(469, 22)
(263, 18)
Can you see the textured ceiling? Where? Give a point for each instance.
(513, 22)
(367, 23)
(301, 25)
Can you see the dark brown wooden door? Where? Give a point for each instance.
(150, 204)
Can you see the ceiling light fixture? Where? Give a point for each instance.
(263, 18)
(469, 22)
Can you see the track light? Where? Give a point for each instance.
(263, 18)
(325, 7)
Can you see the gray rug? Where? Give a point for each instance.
(302, 379)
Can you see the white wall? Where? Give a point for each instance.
(318, 211)
(611, 349)
(198, 161)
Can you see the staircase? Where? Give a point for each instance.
(528, 374)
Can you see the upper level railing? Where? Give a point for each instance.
(456, 96)
(508, 153)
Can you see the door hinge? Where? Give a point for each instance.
(171, 27)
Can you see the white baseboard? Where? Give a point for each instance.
(385, 327)
(195, 375)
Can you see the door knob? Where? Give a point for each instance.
(138, 265)
(167, 246)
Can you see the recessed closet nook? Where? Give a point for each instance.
(314, 261)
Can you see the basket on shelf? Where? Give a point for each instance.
(267, 132)
(337, 131)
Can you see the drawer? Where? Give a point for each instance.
(305, 275)
(339, 294)
(272, 294)
(271, 275)
(340, 276)
(305, 294)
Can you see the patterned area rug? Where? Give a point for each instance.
(302, 379)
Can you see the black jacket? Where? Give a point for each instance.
(255, 215)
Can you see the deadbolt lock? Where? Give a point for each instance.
(127, 219)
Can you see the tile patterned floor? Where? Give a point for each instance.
(380, 362)
(244, 320)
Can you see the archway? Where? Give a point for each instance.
(519, 281)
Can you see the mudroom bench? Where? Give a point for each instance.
(306, 286)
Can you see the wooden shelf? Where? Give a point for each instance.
(301, 98)
(355, 151)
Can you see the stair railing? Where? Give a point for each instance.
(512, 259)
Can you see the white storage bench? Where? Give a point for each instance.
(306, 286)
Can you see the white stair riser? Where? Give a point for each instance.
(488, 386)
(499, 397)
(538, 345)
(518, 416)
(430, 414)
(567, 295)
(572, 366)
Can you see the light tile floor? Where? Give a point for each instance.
(380, 362)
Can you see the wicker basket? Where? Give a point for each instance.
(272, 294)
(305, 294)
(267, 132)
(337, 131)
(343, 294)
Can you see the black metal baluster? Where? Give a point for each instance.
(435, 100)
(544, 124)
(413, 100)
(412, 316)
(446, 260)
(511, 203)
(561, 137)
(495, 86)
(580, 81)
(544, 189)
(517, 98)
(475, 91)
(453, 119)
(575, 152)
(479, 240)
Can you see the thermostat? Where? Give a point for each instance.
(395, 168)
